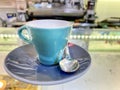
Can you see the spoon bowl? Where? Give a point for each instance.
(68, 66)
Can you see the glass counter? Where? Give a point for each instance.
(91, 39)
(103, 45)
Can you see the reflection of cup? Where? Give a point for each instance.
(49, 37)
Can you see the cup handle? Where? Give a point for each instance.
(22, 36)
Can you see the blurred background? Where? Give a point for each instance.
(96, 28)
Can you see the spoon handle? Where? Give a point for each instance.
(67, 53)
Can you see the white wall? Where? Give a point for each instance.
(107, 8)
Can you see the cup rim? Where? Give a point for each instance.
(51, 23)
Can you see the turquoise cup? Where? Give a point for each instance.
(49, 38)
